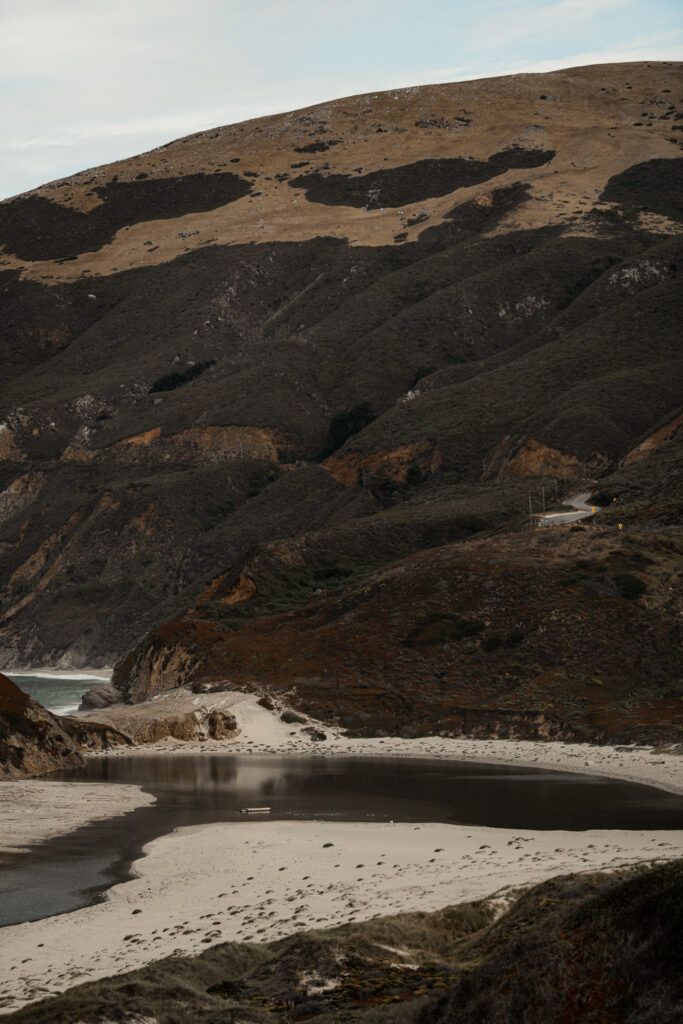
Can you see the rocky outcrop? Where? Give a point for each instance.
(89, 735)
(19, 494)
(100, 696)
(152, 729)
(175, 715)
(512, 460)
(9, 448)
(32, 741)
(198, 445)
(398, 465)
(168, 662)
(221, 725)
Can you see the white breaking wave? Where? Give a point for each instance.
(67, 710)
(96, 676)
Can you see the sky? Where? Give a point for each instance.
(85, 82)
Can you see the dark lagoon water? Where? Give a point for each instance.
(59, 694)
(74, 870)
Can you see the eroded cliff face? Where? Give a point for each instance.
(92, 735)
(515, 460)
(32, 741)
(409, 462)
(19, 494)
(198, 446)
(177, 714)
(169, 662)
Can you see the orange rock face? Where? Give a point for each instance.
(197, 445)
(422, 457)
(536, 459)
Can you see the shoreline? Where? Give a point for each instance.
(262, 732)
(35, 810)
(256, 881)
(522, 753)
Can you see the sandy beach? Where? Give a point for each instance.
(262, 732)
(257, 881)
(33, 810)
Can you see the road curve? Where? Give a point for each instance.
(579, 502)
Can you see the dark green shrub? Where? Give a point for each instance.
(491, 643)
(605, 497)
(513, 638)
(171, 381)
(629, 586)
(439, 629)
(345, 424)
(422, 371)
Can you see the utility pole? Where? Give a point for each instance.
(531, 518)
(543, 491)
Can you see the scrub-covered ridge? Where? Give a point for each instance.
(253, 370)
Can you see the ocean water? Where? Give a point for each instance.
(60, 694)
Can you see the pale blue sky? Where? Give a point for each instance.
(83, 82)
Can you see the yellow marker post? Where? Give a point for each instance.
(620, 525)
(593, 509)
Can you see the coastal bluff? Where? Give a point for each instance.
(32, 741)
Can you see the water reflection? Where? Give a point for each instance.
(214, 787)
(74, 870)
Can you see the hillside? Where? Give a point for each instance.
(550, 635)
(355, 332)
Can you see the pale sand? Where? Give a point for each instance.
(260, 880)
(257, 882)
(33, 810)
(262, 732)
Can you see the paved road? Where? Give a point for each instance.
(576, 501)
